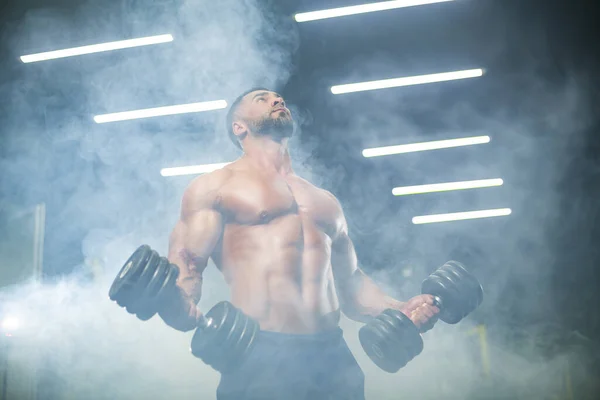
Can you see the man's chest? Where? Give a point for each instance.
(256, 200)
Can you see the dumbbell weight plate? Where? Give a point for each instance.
(206, 342)
(466, 280)
(397, 351)
(246, 337)
(142, 282)
(406, 332)
(391, 340)
(170, 281)
(372, 340)
(229, 326)
(228, 338)
(471, 292)
(239, 340)
(230, 332)
(474, 287)
(444, 285)
(377, 340)
(459, 290)
(123, 285)
(225, 328)
(150, 305)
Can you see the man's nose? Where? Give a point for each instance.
(278, 101)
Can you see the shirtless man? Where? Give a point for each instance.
(282, 245)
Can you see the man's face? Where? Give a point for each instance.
(266, 114)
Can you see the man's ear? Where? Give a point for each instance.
(239, 129)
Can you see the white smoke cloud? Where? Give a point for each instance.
(116, 199)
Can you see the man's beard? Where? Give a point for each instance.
(276, 128)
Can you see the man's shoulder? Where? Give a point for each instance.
(309, 184)
(323, 194)
(210, 181)
(203, 191)
(330, 206)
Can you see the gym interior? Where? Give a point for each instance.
(464, 131)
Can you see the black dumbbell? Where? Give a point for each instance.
(224, 335)
(144, 282)
(391, 339)
(455, 290)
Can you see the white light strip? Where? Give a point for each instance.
(444, 187)
(429, 219)
(191, 170)
(361, 9)
(406, 81)
(161, 111)
(96, 48)
(414, 147)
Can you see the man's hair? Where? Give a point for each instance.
(231, 115)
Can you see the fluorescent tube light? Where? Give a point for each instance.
(191, 170)
(444, 187)
(161, 111)
(406, 81)
(96, 48)
(424, 146)
(429, 219)
(361, 9)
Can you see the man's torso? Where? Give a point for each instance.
(275, 250)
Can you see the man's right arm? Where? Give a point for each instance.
(190, 246)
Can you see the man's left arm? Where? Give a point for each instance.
(360, 297)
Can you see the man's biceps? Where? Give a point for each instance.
(343, 247)
(207, 220)
(201, 241)
(206, 235)
(340, 241)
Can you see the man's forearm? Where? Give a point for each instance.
(363, 299)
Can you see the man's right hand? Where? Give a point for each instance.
(180, 311)
(421, 311)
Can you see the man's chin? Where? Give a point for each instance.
(281, 127)
(281, 116)
(283, 133)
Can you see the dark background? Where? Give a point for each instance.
(538, 100)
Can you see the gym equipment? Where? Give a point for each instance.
(147, 282)
(391, 340)
(225, 337)
(455, 290)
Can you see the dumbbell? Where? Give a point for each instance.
(146, 281)
(391, 339)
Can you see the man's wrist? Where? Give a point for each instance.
(197, 314)
(394, 304)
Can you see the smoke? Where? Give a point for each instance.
(536, 114)
(106, 179)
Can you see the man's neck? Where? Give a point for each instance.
(268, 154)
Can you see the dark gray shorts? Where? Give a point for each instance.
(295, 367)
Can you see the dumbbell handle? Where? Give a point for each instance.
(437, 301)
